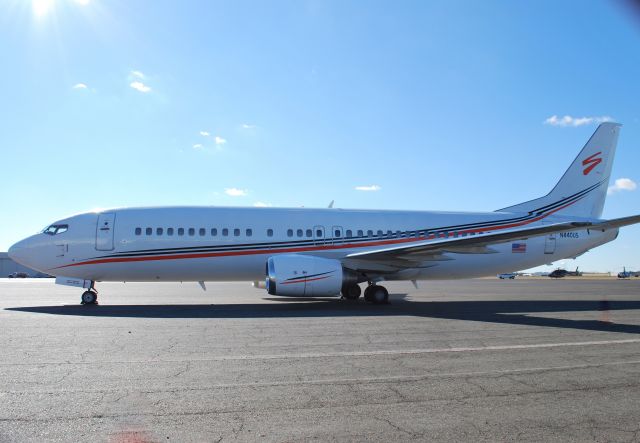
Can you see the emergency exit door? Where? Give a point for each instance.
(104, 231)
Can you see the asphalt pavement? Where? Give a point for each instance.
(481, 360)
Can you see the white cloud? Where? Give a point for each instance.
(568, 120)
(139, 86)
(137, 74)
(235, 192)
(79, 86)
(82, 2)
(368, 188)
(220, 140)
(622, 184)
(248, 126)
(262, 205)
(197, 146)
(204, 133)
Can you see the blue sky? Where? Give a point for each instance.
(435, 105)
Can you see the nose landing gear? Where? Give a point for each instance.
(89, 297)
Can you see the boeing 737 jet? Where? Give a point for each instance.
(328, 252)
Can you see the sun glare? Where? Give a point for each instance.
(41, 7)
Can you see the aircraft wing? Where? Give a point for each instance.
(481, 243)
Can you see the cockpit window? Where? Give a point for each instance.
(55, 229)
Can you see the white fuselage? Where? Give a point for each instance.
(226, 244)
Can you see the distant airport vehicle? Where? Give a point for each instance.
(559, 273)
(628, 274)
(507, 275)
(325, 252)
(18, 275)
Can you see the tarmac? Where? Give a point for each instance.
(470, 360)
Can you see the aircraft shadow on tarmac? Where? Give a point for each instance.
(517, 312)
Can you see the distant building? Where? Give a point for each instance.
(8, 266)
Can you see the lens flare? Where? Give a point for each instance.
(41, 7)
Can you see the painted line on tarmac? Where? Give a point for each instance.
(346, 354)
(428, 351)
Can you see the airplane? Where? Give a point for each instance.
(330, 252)
(559, 273)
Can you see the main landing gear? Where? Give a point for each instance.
(375, 294)
(90, 296)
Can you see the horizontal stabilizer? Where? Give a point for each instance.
(617, 222)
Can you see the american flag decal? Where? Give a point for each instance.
(518, 247)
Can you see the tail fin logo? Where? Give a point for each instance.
(591, 162)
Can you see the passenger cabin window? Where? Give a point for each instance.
(236, 232)
(349, 233)
(192, 232)
(214, 232)
(337, 233)
(202, 232)
(289, 232)
(309, 233)
(180, 231)
(249, 232)
(225, 232)
(269, 232)
(158, 231)
(319, 233)
(169, 231)
(360, 233)
(299, 232)
(148, 231)
(370, 233)
(138, 231)
(379, 233)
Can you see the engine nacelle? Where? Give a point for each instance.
(304, 275)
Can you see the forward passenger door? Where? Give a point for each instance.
(104, 231)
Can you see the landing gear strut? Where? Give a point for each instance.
(376, 294)
(90, 297)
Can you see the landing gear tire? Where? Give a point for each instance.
(89, 298)
(351, 292)
(377, 295)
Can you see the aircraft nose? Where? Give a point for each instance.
(17, 252)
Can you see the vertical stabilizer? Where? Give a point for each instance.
(582, 189)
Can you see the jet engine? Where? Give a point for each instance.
(304, 275)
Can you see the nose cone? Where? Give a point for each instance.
(17, 252)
